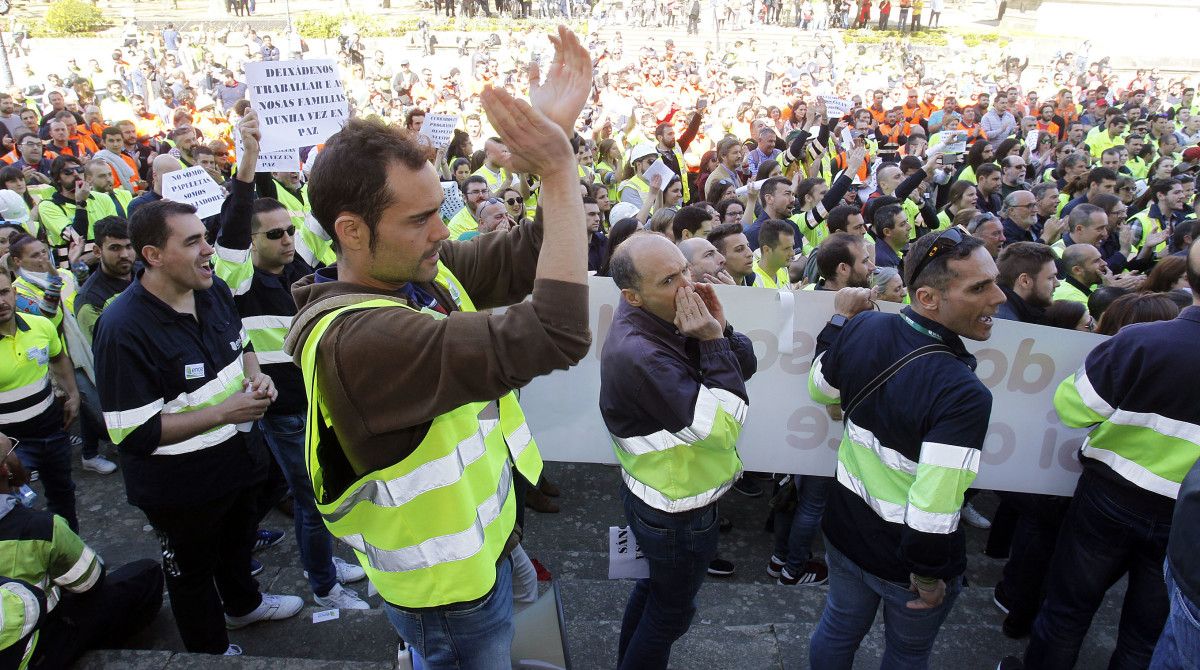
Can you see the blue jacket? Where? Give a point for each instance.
(910, 449)
(650, 375)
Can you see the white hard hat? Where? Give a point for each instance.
(13, 207)
(640, 151)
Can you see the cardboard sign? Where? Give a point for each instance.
(195, 187)
(287, 160)
(439, 128)
(1026, 448)
(625, 559)
(299, 102)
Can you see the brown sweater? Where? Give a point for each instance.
(385, 374)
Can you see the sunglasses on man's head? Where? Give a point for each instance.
(943, 244)
(277, 233)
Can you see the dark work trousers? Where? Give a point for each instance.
(206, 559)
(271, 491)
(1039, 518)
(125, 602)
(1004, 524)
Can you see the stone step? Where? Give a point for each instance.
(136, 659)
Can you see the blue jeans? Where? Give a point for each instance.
(51, 457)
(1180, 638)
(91, 420)
(285, 437)
(854, 597)
(1101, 541)
(679, 548)
(796, 528)
(474, 636)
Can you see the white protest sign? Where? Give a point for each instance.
(287, 160)
(836, 107)
(195, 187)
(299, 102)
(1026, 449)
(1031, 139)
(625, 558)
(439, 128)
(660, 169)
(954, 141)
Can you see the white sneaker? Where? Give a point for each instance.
(347, 573)
(99, 464)
(233, 650)
(272, 608)
(974, 518)
(342, 598)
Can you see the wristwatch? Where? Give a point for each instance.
(838, 321)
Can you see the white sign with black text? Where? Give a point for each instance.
(299, 102)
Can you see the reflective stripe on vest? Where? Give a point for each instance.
(693, 467)
(267, 332)
(428, 529)
(312, 243)
(925, 496)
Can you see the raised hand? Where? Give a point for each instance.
(568, 81)
(692, 317)
(537, 144)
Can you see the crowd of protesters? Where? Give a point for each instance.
(1060, 194)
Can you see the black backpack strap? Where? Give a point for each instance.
(883, 377)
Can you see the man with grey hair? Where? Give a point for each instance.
(1020, 215)
(673, 397)
(988, 228)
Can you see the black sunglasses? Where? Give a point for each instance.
(513, 201)
(945, 241)
(277, 233)
(72, 170)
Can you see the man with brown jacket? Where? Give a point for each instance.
(413, 426)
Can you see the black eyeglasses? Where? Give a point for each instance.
(277, 233)
(945, 241)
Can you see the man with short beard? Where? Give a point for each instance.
(1084, 269)
(1028, 277)
(731, 243)
(843, 261)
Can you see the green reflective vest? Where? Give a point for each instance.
(429, 529)
(637, 183)
(312, 242)
(778, 282)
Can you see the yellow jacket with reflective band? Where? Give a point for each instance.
(429, 529)
(312, 242)
(1148, 225)
(765, 280)
(462, 222)
(494, 179)
(637, 183)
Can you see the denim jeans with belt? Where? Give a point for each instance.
(854, 597)
(679, 548)
(473, 636)
(1179, 645)
(285, 436)
(1101, 541)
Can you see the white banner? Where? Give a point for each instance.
(836, 108)
(287, 160)
(1026, 449)
(195, 187)
(299, 102)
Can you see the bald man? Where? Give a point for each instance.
(708, 265)
(162, 165)
(1085, 270)
(673, 396)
